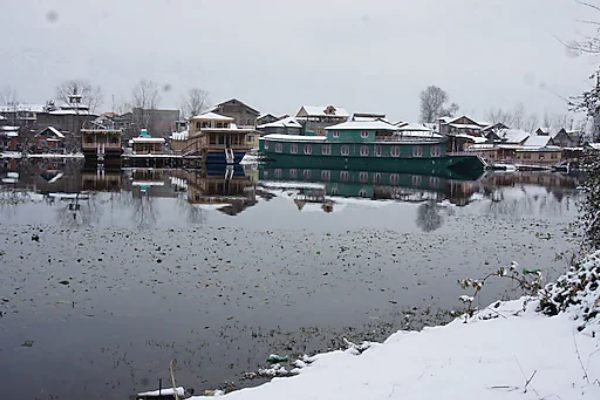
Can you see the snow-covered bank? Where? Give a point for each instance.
(509, 350)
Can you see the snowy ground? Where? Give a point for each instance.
(507, 351)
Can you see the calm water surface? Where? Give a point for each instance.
(108, 275)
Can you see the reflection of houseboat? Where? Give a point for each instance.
(101, 180)
(216, 138)
(230, 191)
(368, 145)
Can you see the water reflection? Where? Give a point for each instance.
(146, 197)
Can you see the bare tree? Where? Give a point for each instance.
(8, 96)
(194, 102)
(433, 104)
(90, 95)
(517, 118)
(145, 97)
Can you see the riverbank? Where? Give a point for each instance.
(508, 350)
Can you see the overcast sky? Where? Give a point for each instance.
(367, 56)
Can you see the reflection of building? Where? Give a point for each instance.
(231, 191)
(101, 180)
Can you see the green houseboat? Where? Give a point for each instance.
(368, 145)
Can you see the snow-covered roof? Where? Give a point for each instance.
(465, 126)
(212, 116)
(55, 131)
(363, 125)
(413, 127)
(22, 107)
(289, 122)
(537, 141)
(595, 146)
(474, 139)
(147, 140)
(70, 112)
(9, 128)
(294, 138)
(321, 111)
(183, 135)
(512, 135)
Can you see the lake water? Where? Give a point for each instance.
(109, 275)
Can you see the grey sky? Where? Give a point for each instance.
(277, 55)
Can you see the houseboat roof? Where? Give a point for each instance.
(363, 125)
(294, 138)
(289, 122)
(212, 116)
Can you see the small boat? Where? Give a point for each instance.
(367, 146)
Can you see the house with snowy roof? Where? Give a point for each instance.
(460, 125)
(48, 139)
(568, 138)
(490, 132)
(284, 126)
(268, 118)
(9, 137)
(315, 119)
(538, 149)
(243, 115)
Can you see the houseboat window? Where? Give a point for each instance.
(417, 151)
(363, 177)
(378, 150)
(293, 173)
(266, 145)
(325, 175)
(278, 147)
(434, 181)
(416, 180)
(435, 151)
(394, 179)
(277, 171)
(345, 150)
(326, 149)
(336, 134)
(334, 190)
(197, 125)
(377, 177)
(362, 193)
(364, 134)
(306, 174)
(294, 148)
(213, 139)
(221, 139)
(344, 175)
(89, 139)
(307, 149)
(114, 139)
(364, 151)
(395, 151)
